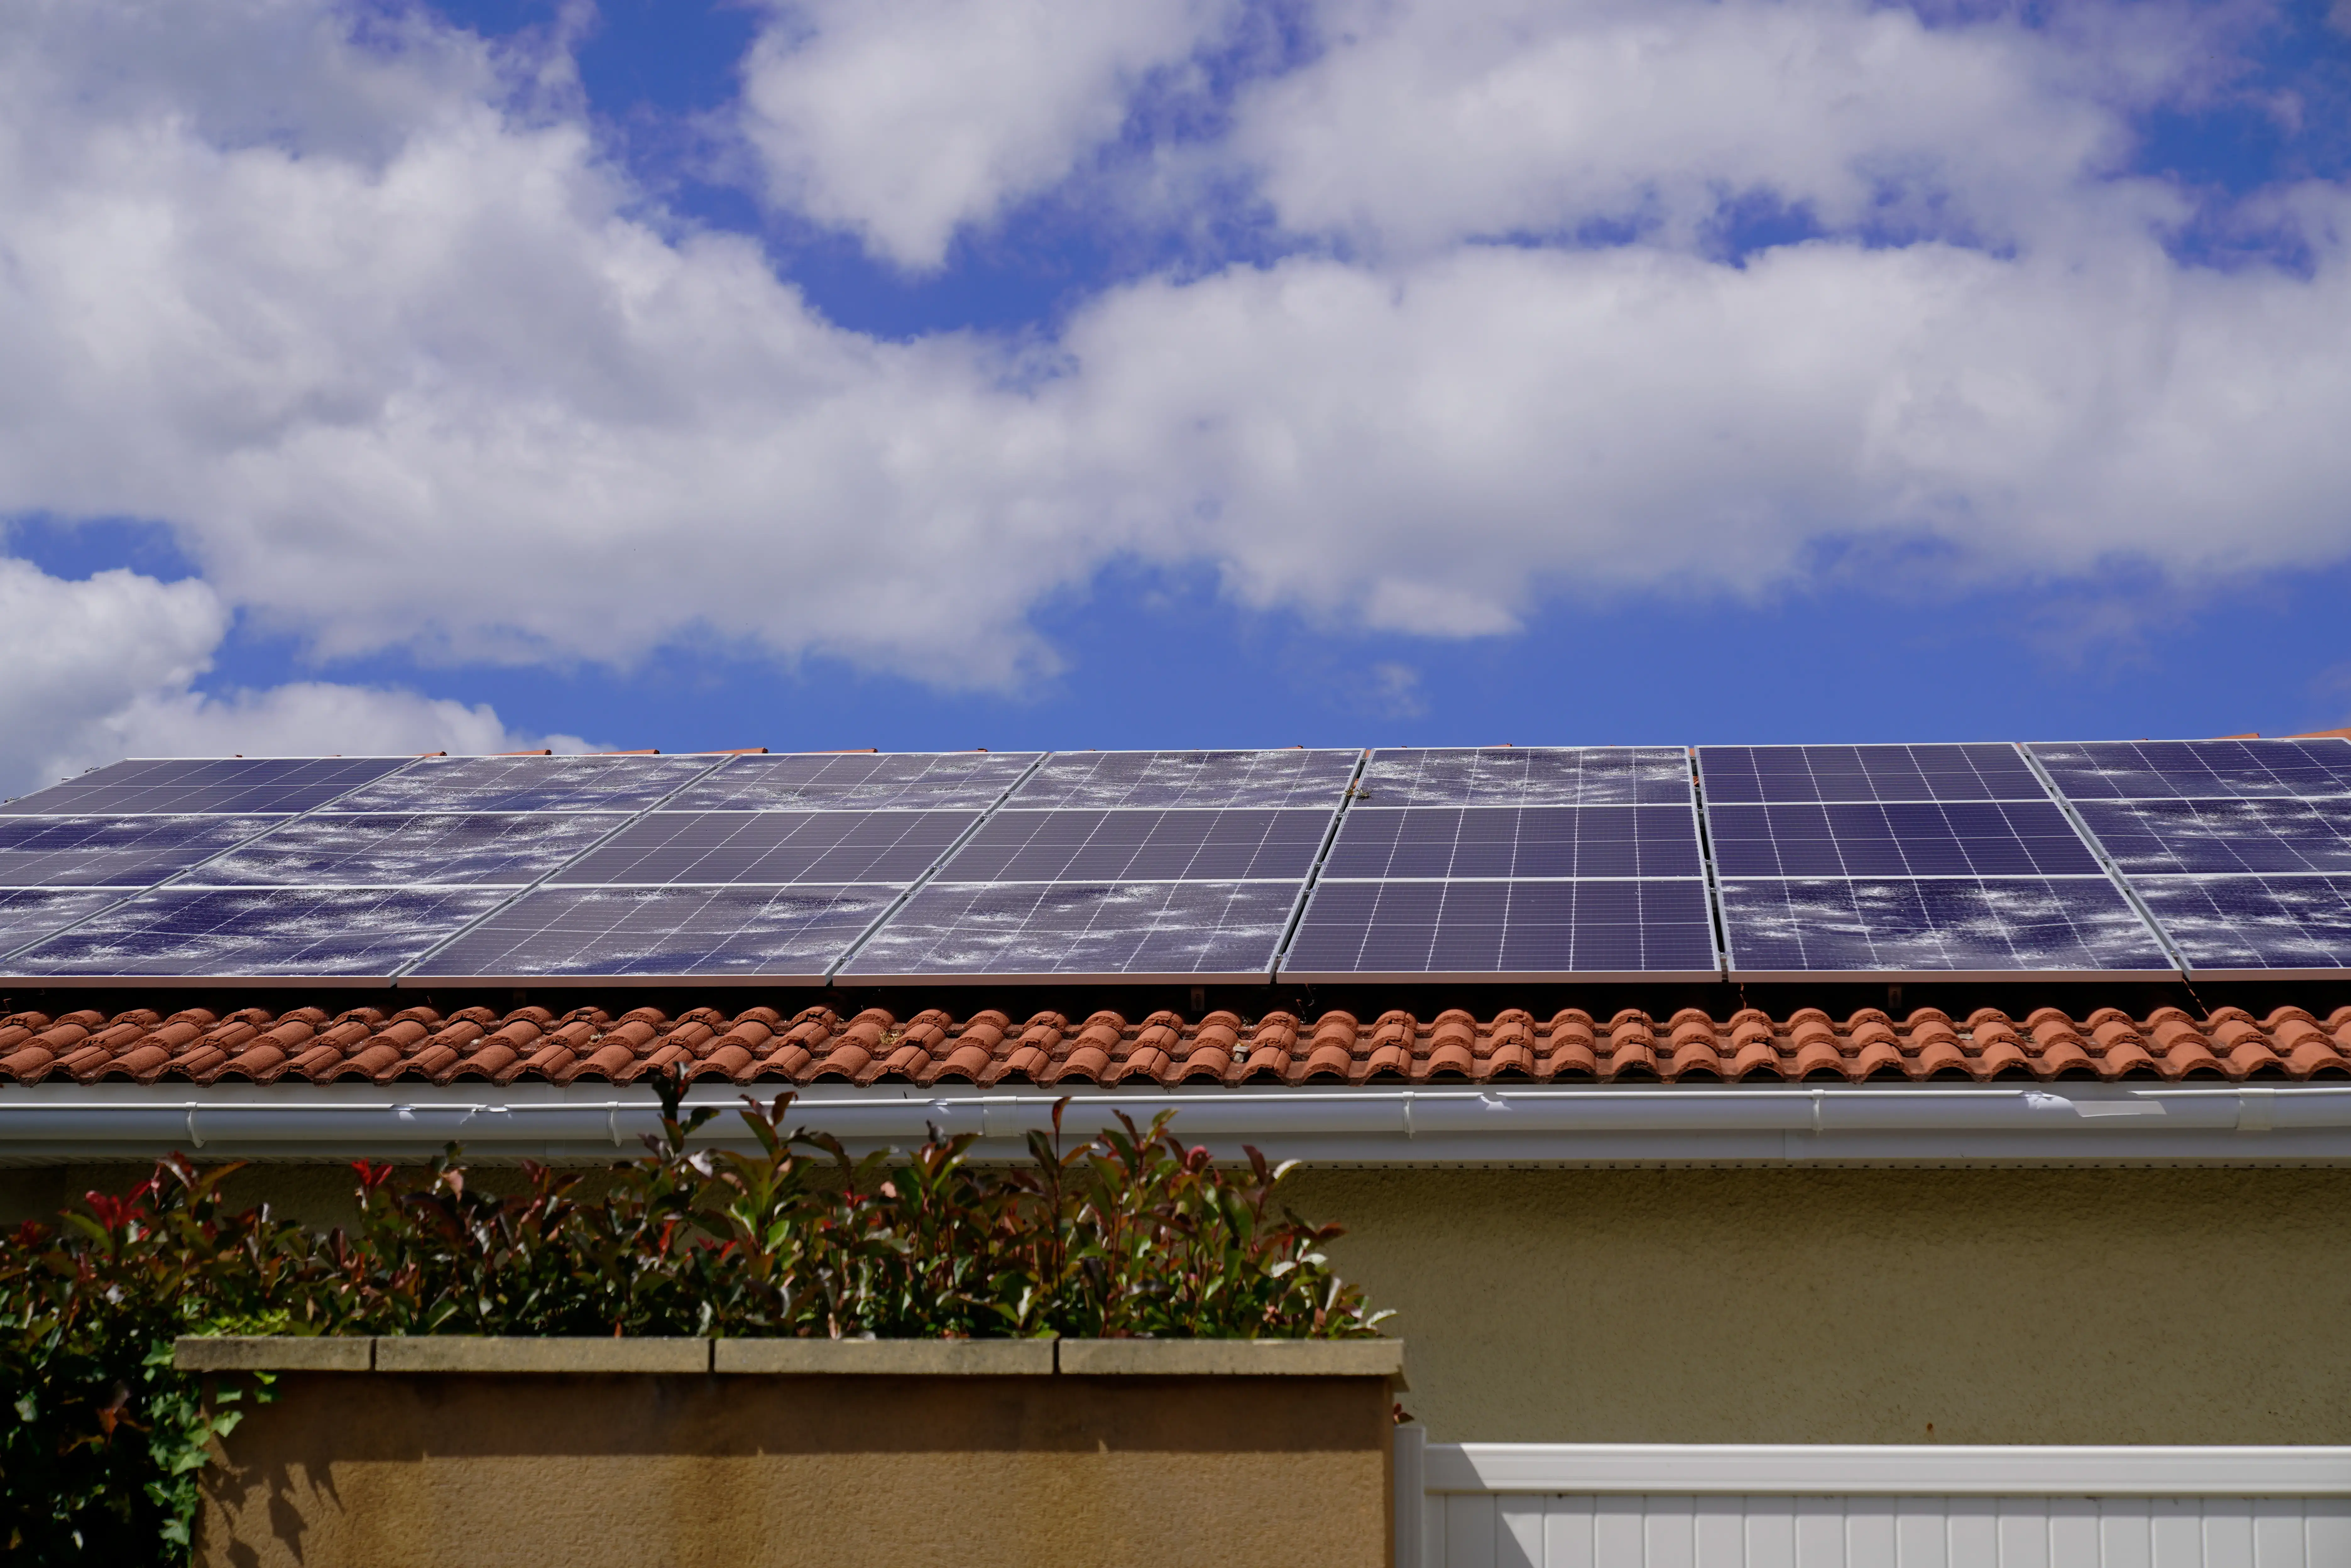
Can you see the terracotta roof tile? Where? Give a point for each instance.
(987, 1048)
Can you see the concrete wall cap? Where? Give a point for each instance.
(1235, 1357)
(456, 1352)
(272, 1353)
(903, 1357)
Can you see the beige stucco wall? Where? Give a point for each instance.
(1859, 1306)
(1963, 1306)
(357, 1470)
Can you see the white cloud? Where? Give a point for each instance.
(904, 120)
(102, 668)
(406, 366)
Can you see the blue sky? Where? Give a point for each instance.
(1201, 405)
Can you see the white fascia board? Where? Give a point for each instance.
(2005, 1471)
(1372, 1125)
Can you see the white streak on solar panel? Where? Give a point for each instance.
(827, 848)
(186, 786)
(2254, 922)
(1140, 845)
(1078, 928)
(2159, 837)
(1526, 776)
(528, 784)
(797, 932)
(2198, 769)
(385, 849)
(1109, 779)
(28, 914)
(867, 781)
(1889, 923)
(133, 851)
(274, 930)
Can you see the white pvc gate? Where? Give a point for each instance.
(1468, 1531)
(1658, 1505)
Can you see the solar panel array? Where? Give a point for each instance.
(1510, 862)
(2225, 858)
(2240, 850)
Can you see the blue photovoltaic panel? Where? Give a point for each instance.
(1527, 776)
(1142, 846)
(2161, 837)
(178, 786)
(773, 847)
(1172, 930)
(1371, 930)
(1881, 928)
(1971, 772)
(529, 784)
(788, 935)
(112, 852)
(1959, 838)
(394, 849)
(28, 914)
(200, 932)
(1102, 781)
(2263, 924)
(863, 781)
(2198, 769)
(1504, 842)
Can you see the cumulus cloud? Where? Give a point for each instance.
(102, 668)
(904, 120)
(407, 364)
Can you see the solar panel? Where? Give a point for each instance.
(1105, 779)
(112, 852)
(182, 785)
(1200, 931)
(1960, 838)
(410, 849)
(277, 932)
(1884, 927)
(893, 847)
(1527, 930)
(1527, 776)
(783, 934)
(28, 914)
(2161, 837)
(836, 781)
(529, 784)
(2231, 925)
(1968, 771)
(1529, 841)
(1142, 846)
(2198, 769)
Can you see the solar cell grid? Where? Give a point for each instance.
(1969, 771)
(1102, 781)
(1887, 926)
(1139, 845)
(529, 784)
(276, 931)
(112, 852)
(28, 914)
(1912, 839)
(2254, 923)
(2161, 837)
(1505, 842)
(186, 785)
(1191, 930)
(2198, 769)
(785, 935)
(1527, 776)
(408, 849)
(895, 847)
(1370, 930)
(858, 781)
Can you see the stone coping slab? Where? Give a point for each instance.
(901, 1357)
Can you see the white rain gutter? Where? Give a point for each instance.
(1590, 1125)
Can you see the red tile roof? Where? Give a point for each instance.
(763, 1046)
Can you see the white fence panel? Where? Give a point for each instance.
(1514, 1529)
